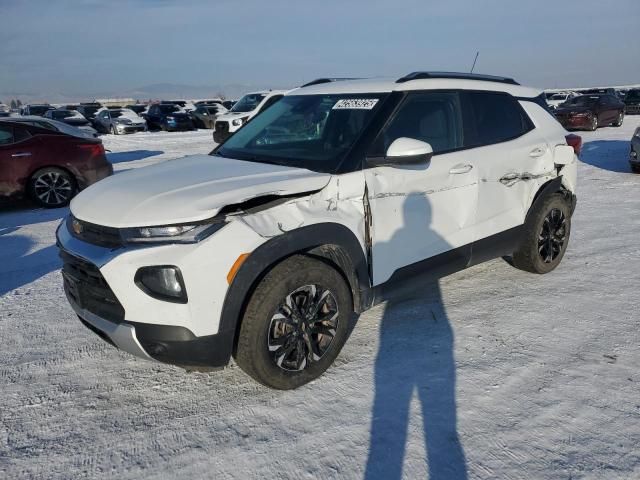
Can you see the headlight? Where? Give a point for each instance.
(171, 233)
(239, 121)
(171, 119)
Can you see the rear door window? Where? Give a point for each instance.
(6, 134)
(494, 117)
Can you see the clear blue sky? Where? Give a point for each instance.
(67, 46)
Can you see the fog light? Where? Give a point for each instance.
(162, 282)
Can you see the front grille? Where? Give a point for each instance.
(108, 237)
(87, 288)
(222, 127)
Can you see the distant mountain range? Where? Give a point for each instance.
(155, 91)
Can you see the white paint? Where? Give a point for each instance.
(408, 147)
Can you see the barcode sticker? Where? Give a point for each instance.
(355, 104)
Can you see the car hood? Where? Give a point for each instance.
(188, 189)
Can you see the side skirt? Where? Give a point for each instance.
(412, 279)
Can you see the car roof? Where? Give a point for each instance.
(387, 85)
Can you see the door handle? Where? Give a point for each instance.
(23, 154)
(537, 152)
(460, 168)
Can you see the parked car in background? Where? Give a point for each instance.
(50, 166)
(73, 118)
(204, 116)
(228, 104)
(244, 110)
(322, 206)
(54, 125)
(634, 154)
(632, 101)
(168, 117)
(588, 112)
(68, 106)
(88, 110)
(119, 120)
(138, 108)
(557, 99)
(208, 102)
(38, 109)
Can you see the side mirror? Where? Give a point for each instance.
(405, 151)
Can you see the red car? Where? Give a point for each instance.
(588, 112)
(48, 161)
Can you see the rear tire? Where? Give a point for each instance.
(52, 187)
(546, 236)
(295, 323)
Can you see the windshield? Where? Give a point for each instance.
(169, 108)
(38, 110)
(633, 95)
(60, 114)
(115, 113)
(248, 103)
(583, 101)
(306, 131)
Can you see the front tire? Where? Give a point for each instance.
(114, 130)
(52, 187)
(295, 323)
(594, 123)
(619, 120)
(546, 236)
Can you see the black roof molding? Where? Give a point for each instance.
(457, 76)
(319, 81)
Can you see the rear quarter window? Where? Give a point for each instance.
(493, 117)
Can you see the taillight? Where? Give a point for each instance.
(574, 141)
(94, 149)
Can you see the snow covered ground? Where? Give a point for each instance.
(539, 374)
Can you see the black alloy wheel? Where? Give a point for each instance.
(302, 329)
(552, 235)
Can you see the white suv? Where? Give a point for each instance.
(338, 197)
(244, 110)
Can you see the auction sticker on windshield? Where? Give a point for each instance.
(355, 104)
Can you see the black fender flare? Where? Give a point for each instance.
(549, 188)
(332, 242)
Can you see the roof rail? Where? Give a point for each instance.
(456, 75)
(318, 81)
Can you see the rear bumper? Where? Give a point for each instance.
(577, 123)
(632, 109)
(90, 176)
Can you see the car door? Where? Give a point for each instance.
(512, 159)
(18, 151)
(420, 211)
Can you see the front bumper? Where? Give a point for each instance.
(99, 285)
(124, 128)
(634, 151)
(221, 137)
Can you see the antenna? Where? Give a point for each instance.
(474, 61)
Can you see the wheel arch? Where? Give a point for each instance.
(74, 175)
(332, 243)
(549, 188)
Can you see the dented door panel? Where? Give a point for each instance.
(510, 174)
(420, 211)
